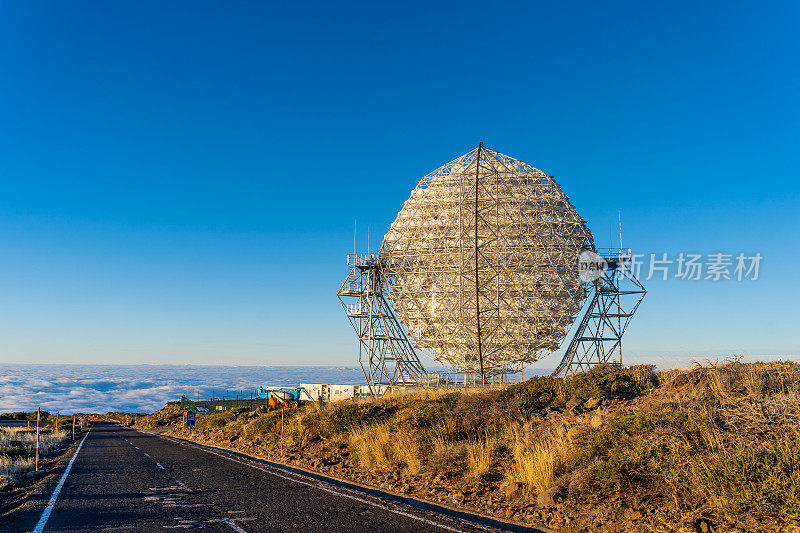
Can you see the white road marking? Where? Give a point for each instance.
(159, 465)
(136, 447)
(146, 454)
(171, 496)
(50, 504)
(233, 525)
(320, 487)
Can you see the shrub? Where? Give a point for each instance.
(264, 424)
(604, 382)
(537, 392)
(763, 484)
(215, 420)
(346, 416)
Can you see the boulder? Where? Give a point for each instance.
(592, 403)
(515, 491)
(573, 404)
(548, 497)
(596, 421)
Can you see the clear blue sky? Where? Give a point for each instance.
(180, 179)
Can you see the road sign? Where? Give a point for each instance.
(190, 416)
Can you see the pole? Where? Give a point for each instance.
(57, 420)
(477, 277)
(38, 418)
(73, 427)
(283, 407)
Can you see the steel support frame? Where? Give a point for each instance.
(385, 353)
(616, 294)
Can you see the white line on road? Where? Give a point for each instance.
(146, 454)
(326, 489)
(159, 465)
(233, 525)
(49, 509)
(136, 447)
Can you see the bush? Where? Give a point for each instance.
(537, 392)
(215, 420)
(264, 424)
(764, 484)
(346, 416)
(603, 382)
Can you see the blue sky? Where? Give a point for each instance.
(180, 179)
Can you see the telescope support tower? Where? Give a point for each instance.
(615, 296)
(385, 353)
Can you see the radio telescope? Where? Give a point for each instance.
(480, 270)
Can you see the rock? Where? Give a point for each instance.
(680, 381)
(596, 421)
(514, 491)
(561, 431)
(592, 403)
(547, 498)
(573, 404)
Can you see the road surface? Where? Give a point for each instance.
(125, 480)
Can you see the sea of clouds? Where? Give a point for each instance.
(145, 388)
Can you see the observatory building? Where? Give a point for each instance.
(480, 270)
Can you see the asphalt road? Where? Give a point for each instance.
(125, 480)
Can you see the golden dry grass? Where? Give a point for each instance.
(27, 437)
(372, 445)
(480, 456)
(13, 467)
(379, 446)
(538, 458)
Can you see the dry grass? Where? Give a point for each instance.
(26, 438)
(381, 446)
(372, 445)
(14, 467)
(538, 458)
(480, 456)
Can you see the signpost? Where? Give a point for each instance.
(190, 418)
(38, 418)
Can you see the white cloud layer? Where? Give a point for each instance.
(144, 388)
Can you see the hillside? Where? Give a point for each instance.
(714, 448)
